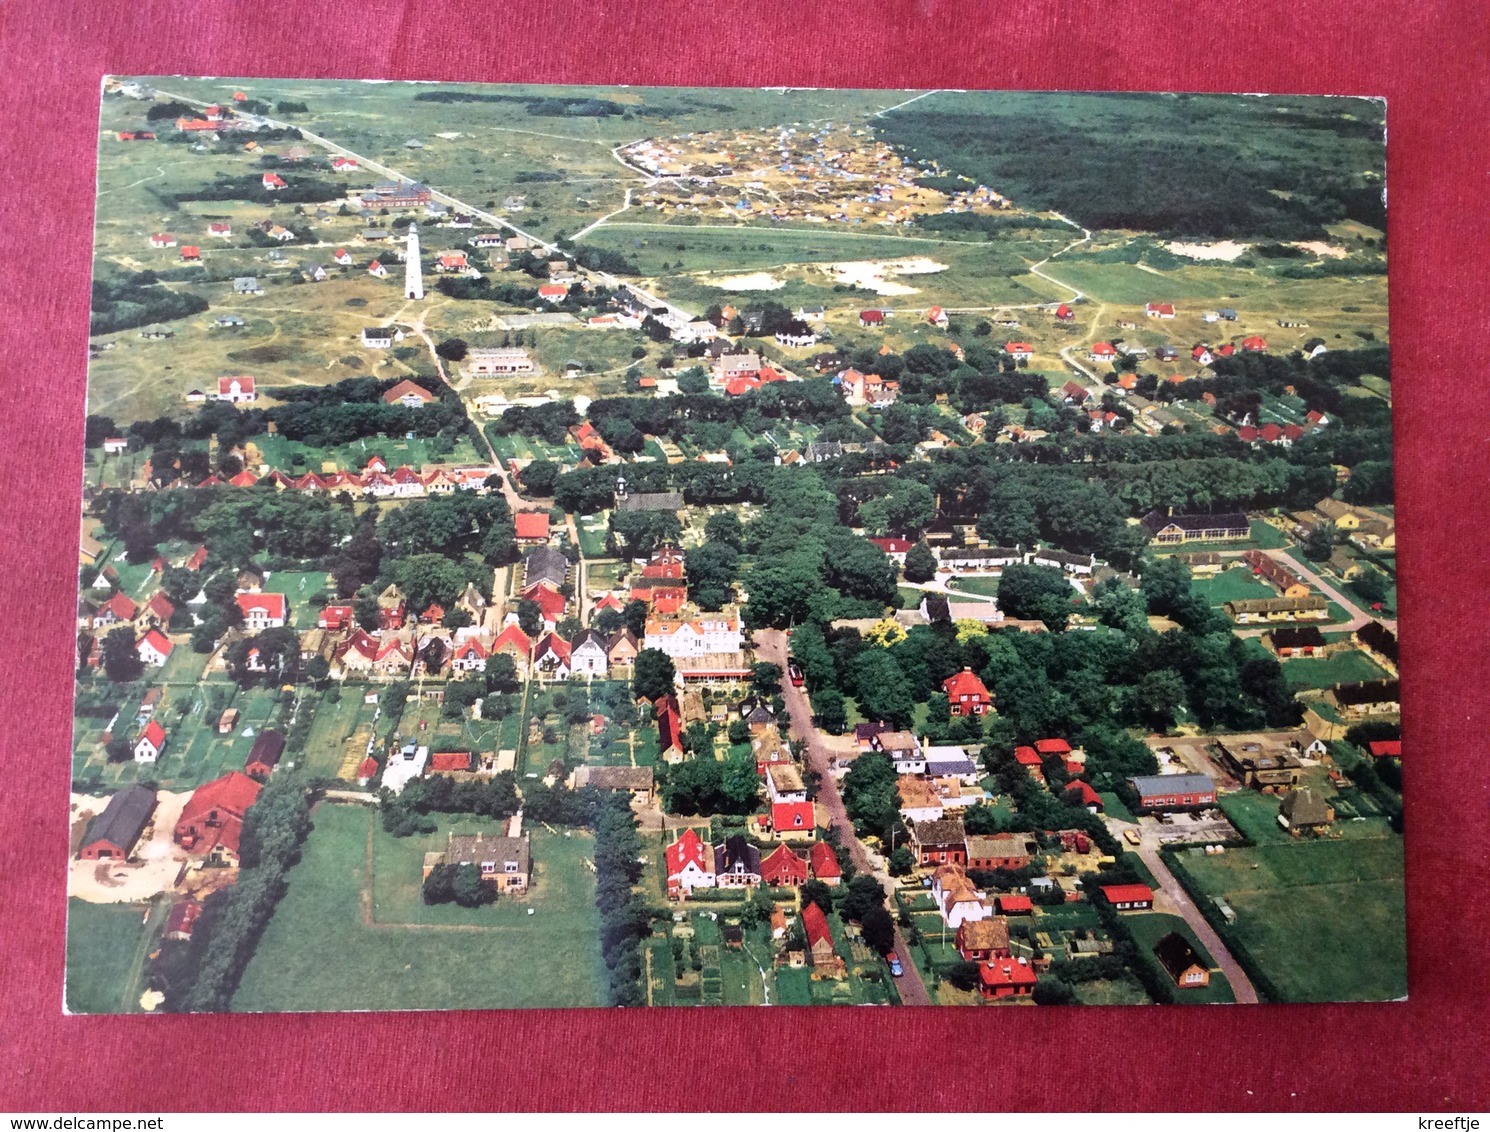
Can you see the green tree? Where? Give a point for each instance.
(121, 659)
(724, 527)
(878, 929)
(816, 892)
(902, 861)
(830, 710)
(469, 890)
(1035, 593)
(530, 617)
(452, 349)
(654, 674)
(920, 563)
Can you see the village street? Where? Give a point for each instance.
(771, 645)
(1241, 986)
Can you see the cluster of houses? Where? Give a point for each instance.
(208, 829)
(376, 479)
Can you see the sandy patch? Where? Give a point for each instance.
(873, 275)
(1226, 250)
(756, 281)
(1320, 248)
(156, 863)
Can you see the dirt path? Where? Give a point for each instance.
(1241, 986)
(771, 645)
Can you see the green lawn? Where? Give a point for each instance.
(298, 587)
(983, 585)
(1234, 584)
(106, 951)
(1112, 992)
(1341, 668)
(321, 953)
(1323, 919)
(1150, 927)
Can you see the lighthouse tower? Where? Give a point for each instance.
(413, 273)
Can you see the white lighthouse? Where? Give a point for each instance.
(413, 272)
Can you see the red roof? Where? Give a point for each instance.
(1128, 893)
(1227, 350)
(121, 606)
(893, 545)
(1292, 432)
(1063, 311)
(792, 815)
(1161, 308)
(406, 387)
(1018, 348)
(552, 643)
(227, 798)
(471, 646)
(1089, 797)
(687, 849)
(964, 683)
(783, 867)
(369, 768)
(155, 733)
(1026, 756)
(871, 316)
(1255, 342)
(1387, 748)
(161, 606)
(190, 251)
(824, 861)
(1016, 904)
(532, 524)
(1247, 434)
(1103, 349)
(549, 600)
(816, 925)
(450, 760)
(158, 641)
(1271, 432)
(1053, 746)
(1006, 973)
(273, 605)
(513, 636)
(553, 290)
(225, 385)
(273, 179)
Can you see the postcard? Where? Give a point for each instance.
(579, 546)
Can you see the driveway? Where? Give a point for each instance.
(1241, 986)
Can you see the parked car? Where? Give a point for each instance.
(794, 673)
(895, 968)
(1131, 837)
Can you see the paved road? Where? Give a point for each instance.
(1241, 986)
(771, 644)
(1358, 616)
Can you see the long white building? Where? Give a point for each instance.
(709, 634)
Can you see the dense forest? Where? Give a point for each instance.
(1187, 165)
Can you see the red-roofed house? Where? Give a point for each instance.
(532, 528)
(554, 292)
(162, 240)
(1053, 747)
(118, 610)
(236, 390)
(820, 949)
(409, 395)
(1029, 758)
(549, 600)
(190, 253)
(1386, 749)
(966, 694)
(263, 611)
(244, 478)
(690, 864)
(150, 742)
(1005, 978)
(1129, 897)
(221, 229)
(198, 558)
(469, 656)
(794, 821)
(1019, 351)
(377, 269)
(154, 648)
(1102, 352)
(824, 864)
(784, 868)
(1015, 905)
(1063, 313)
(335, 617)
(669, 727)
(1086, 796)
(342, 164)
(551, 657)
(1255, 344)
(273, 182)
(895, 548)
(446, 761)
(212, 821)
(342, 256)
(871, 318)
(367, 771)
(1159, 310)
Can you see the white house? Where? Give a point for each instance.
(699, 636)
(150, 744)
(237, 390)
(587, 655)
(263, 611)
(784, 784)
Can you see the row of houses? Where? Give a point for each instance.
(376, 479)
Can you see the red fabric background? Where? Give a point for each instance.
(1427, 58)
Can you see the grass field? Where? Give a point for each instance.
(326, 950)
(1324, 919)
(981, 585)
(1341, 668)
(106, 946)
(1234, 584)
(1150, 927)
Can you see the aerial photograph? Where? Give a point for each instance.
(622, 546)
